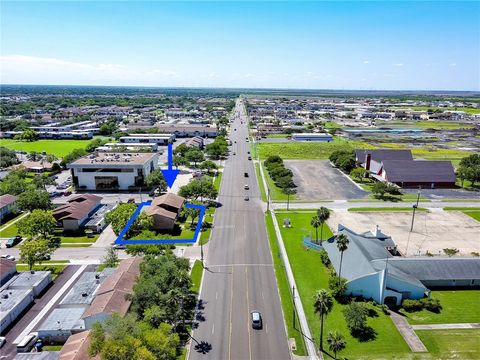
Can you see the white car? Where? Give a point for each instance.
(9, 257)
(2, 341)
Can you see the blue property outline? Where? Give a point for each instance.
(121, 241)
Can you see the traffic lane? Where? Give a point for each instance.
(240, 347)
(270, 341)
(9, 349)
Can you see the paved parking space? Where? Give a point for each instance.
(433, 231)
(318, 180)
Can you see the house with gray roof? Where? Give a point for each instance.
(374, 269)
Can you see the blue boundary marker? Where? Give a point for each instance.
(121, 241)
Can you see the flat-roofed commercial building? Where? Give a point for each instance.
(163, 139)
(113, 171)
(312, 137)
(116, 147)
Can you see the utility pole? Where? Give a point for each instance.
(268, 199)
(415, 206)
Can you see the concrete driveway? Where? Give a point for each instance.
(318, 180)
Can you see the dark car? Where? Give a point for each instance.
(249, 158)
(256, 319)
(245, 174)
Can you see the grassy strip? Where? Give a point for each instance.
(205, 235)
(473, 214)
(55, 269)
(284, 288)
(196, 275)
(52, 347)
(309, 150)
(311, 275)
(217, 180)
(78, 239)
(452, 344)
(74, 245)
(9, 232)
(263, 193)
(459, 306)
(385, 209)
(52, 262)
(461, 208)
(276, 193)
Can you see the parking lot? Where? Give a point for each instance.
(318, 180)
(433, 231)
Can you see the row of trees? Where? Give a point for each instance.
(161, 304)
(343, 159)
(217, 149)
(281, 176)
(199, 189)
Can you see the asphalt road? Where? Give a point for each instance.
(240, 276)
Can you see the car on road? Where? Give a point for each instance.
(245, 174)
(2, 341)
(246, 187)
(246, 198)
(249, 158)
(256, 319)
(8, 257)
(234, 153)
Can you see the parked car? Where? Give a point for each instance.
(8, 257)
(119, 246)
(13, 241)
(256, 319)
(67, 193)
(131, 201)
(2, 341)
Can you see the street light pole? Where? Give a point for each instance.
(293, 307)
(415, 206)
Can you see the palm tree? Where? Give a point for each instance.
(342, 245)
(315, 222)
(323, 303)
(323, 214)
(289, 191)
(336, 342)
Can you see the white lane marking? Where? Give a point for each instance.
(216, 295)
(263, 297)
(266, 328)
(213, 329)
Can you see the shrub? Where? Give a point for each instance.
(356, 317)
(324, 258)
(412, 305)
(338, 286)
(431, 304)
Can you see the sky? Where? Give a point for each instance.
(379, 45)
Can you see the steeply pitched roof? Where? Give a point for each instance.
(7, 199)
(76, 347)
(111, 295)
(418, 171)
(383, 154)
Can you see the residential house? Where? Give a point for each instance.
(164, 210)
(7, 205)
(73, 215)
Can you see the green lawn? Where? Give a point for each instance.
(452, 344)
(277, 136)
(263, 193)
(58, 148)
(459, 306)
(468, 110)
(385, 209)
(284, 288)
(311, 275)
(473, 214)
(196, 275)
(308, 150)
(10, 231)
(55, 269)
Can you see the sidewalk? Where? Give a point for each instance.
(447, 326)
(407, 332)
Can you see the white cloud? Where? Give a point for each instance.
(366, 61)
(398, 64)
(452, 64)
(22, 69)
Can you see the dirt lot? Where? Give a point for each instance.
(318, 180)
(433, 231)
